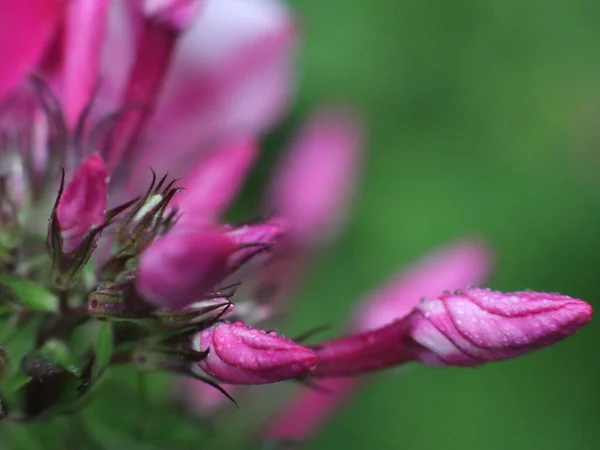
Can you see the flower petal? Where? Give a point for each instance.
(25, 29)
(231, 74)
(458, 265)
(315, 182)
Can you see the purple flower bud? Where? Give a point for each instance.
(464, 329)
(479, 325)
(180, 268)
(82, 205)
(239, 354)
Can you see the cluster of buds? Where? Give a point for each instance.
(146, 273)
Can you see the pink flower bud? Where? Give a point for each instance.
(214, 182)
(465, 329)
(82, 205)
(239, 354)
(180, 268)
(479, 325)
(316, 180)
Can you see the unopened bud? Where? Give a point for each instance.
(238, 354)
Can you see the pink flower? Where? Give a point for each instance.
(239, 354)
(182, 267)
(82, 205)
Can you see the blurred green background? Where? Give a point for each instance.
(483, 119)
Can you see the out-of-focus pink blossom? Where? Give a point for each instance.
(315, 182)
(480, 325)
(238, 354)
(84, 25)
(82, 205)
(231, 74)
(25, 29)
(458, 265)
(176, 13)
(214, 181)
(182, 267)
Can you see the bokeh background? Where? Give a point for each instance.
(483, 119)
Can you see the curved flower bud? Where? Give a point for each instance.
(315, 182)
(480, 325)
(181, 268)
(82, 205)
(214, 181)
(464, 329)
(239, 354)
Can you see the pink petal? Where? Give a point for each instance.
(213, 183)
(458, 265)
(82, 206)
(176, 13)
(239, 354)
(155, 46)
(84, 33)
(231, 74)
(25, 29)
(316, 180)
(180, 268)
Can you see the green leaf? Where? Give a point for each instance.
(104, 348)
(28, 294)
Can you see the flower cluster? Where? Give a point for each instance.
(137, 267)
